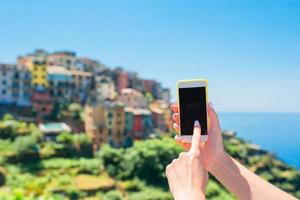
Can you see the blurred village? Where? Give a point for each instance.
(62, 92)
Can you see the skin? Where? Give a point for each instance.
(186, 176)
(243, 183)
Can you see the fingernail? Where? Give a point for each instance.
(196, 123)
(210, 104)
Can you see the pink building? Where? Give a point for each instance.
(148, 85)
(42, 103)
(122, 81)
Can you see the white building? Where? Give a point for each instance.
(132, 98)
(15, 85)
(60, 82)
(65, 59)
(81, 86)
(105, 88)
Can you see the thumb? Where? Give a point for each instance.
(196, 137)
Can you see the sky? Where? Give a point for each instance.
(248, 50)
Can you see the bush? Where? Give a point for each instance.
(74, 145)
(26, 147)
(146, 159)
(112, 159)
(151, 194)
(2, 176)
(84, 145)
(113, 195)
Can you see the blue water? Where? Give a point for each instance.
(278, 133)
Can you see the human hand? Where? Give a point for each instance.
(213, 149)
(186, 176)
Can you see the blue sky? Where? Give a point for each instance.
(248, 50)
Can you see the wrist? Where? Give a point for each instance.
(216, 162)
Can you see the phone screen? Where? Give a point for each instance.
(192, 107)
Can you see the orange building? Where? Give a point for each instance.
(115, 121)
(95, 124)
(161, 114)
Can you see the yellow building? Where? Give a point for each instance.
(115, 121)
(39, 74)
(95, 124)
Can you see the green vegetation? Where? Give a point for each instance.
(67, 168)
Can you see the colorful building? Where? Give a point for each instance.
(135, 82)
(166, 95)
(42, 103)
(95, 124)
(132, 98)
(161, 114)
(104, 88)
(15, 85)
(60, 82)
(157, 91)
(122, 81)
(115, 121)
(82, 86)
(89, 65)
(66, 59)
(148, 85)
(39, 78)
(28, 60)
(142, 123)
(129, 119)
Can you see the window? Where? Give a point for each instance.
(15, 94)
(4, 73)
(4, 82)
(16, 75)
(3, 92)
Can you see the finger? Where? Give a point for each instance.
(174, 108)
(178, 138)
(185, 145)
(176, 127)
(175, 117)
(196, 137)
(214, 121)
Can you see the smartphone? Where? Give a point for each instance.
(192, 101)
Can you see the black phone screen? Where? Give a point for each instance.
(192, 107)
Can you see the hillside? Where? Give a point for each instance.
(67, 169)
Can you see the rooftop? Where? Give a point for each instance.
(58, 70)
(54, 127)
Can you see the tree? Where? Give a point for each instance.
(84, 145)
(112, 159)
(26, 147)
(75, 112)
(146, 159)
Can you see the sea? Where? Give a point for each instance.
(279, 133)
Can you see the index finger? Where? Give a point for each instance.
(196, 137)
(174, 108)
